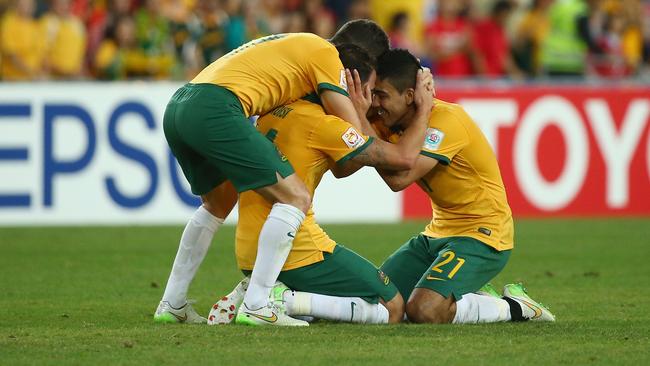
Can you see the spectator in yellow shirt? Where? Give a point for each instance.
(530, 34)
(65, 41)
(21, 43)
(111, 60)
(154, 38)
(120, 57)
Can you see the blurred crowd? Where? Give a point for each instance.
(174, 39)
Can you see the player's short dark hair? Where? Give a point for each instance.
(363, 33)
(399, 67)
(354, 57)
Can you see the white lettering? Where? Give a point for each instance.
(617, 148)
(551, 110)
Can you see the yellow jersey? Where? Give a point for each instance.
(22, 37)
(66, 43)
(275, 70)
(467, 194)
(310, 139)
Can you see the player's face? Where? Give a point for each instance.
(390, 105)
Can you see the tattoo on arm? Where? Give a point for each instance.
(374, 155)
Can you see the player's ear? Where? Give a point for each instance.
(409, 96)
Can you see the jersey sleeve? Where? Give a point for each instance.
(338, 139)
(444, 138)
(326, 72)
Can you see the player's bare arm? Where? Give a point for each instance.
(341, 106)
(399, 180)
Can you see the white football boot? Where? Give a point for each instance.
(165, 313)
(225, 310)
(274, 313)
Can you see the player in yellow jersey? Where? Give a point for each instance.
(328, 280)
(470, 237)
(221, 154)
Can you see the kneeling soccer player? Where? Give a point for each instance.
(207, 128)
(328, 281)
(470, 237)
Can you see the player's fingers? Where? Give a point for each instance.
(424, 88)
(428, 81)
(367, 93)
(419, 79)
(433, 87)
(350, 80)
(357, 81)
(426, 72)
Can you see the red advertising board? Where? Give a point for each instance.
(567, 151)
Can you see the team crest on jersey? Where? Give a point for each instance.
(352, 138)
(343, 82)
(433, 139)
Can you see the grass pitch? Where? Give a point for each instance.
(87, 295)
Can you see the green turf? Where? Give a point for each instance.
(86, 296)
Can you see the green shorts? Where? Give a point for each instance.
(213, 141)
(449, 266)
(343, 273)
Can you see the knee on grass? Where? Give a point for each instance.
(395, 309)
(430, 309)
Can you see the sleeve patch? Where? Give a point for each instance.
(433, 139)
(343, 81)
(352, 138)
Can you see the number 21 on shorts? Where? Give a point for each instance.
(448, 257)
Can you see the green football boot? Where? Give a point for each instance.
(488, 290)
(530, 309)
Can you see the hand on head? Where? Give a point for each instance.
(360, 95)
(429, 83)
(424, 91)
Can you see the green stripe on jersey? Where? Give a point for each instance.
(328, 86)
(441, 158)
(356, 152)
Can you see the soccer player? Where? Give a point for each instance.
(470, 237)
(329, 281)
(221, 154)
